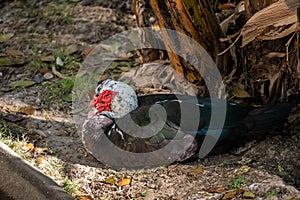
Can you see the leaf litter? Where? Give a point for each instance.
(59, 153)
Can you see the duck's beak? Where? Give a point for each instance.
(92, 113)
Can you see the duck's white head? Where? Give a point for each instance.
(114, 99)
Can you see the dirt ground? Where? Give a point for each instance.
(36, 106)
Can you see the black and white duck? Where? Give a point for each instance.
(124, 130)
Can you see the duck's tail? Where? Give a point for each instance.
(266, 118)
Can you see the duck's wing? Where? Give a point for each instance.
(193, 114)
(168, 143)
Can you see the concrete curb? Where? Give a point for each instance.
(20, 180)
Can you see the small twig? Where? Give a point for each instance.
(229, 37)
(287, 47)
(57, 73)
(235, 41)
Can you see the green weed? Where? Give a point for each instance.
(236, 183)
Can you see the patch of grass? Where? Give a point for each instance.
(55, 12)
(144, 193)
(280, 169)
(271, 193)
(11, 130)
(70, 63)
(57, 94)
(71, 187)
(14, 137)
(50, 11)
(163, 168)
(15, 143)
(236, 183)
(36, 64)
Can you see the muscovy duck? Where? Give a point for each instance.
(126, 131)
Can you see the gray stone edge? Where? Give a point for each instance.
(20, 180)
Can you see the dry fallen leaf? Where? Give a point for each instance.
(275, 55)
(44, 70)
(86, 50)
(124, 182)
(196, 171)
(5, 37)
(18, 61)
(294, 198)
(73, 48)
(29, 146)
(217, 189)
(85, 197)
(243, 169)
(27, 110)
(39, 160)
(21, 84)
(268, 23)
(39, 150)
(13, 52)
(239, 91)
(47, 58)
(232, 193)
(227, 6)
(111, 180)
(248, 194)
